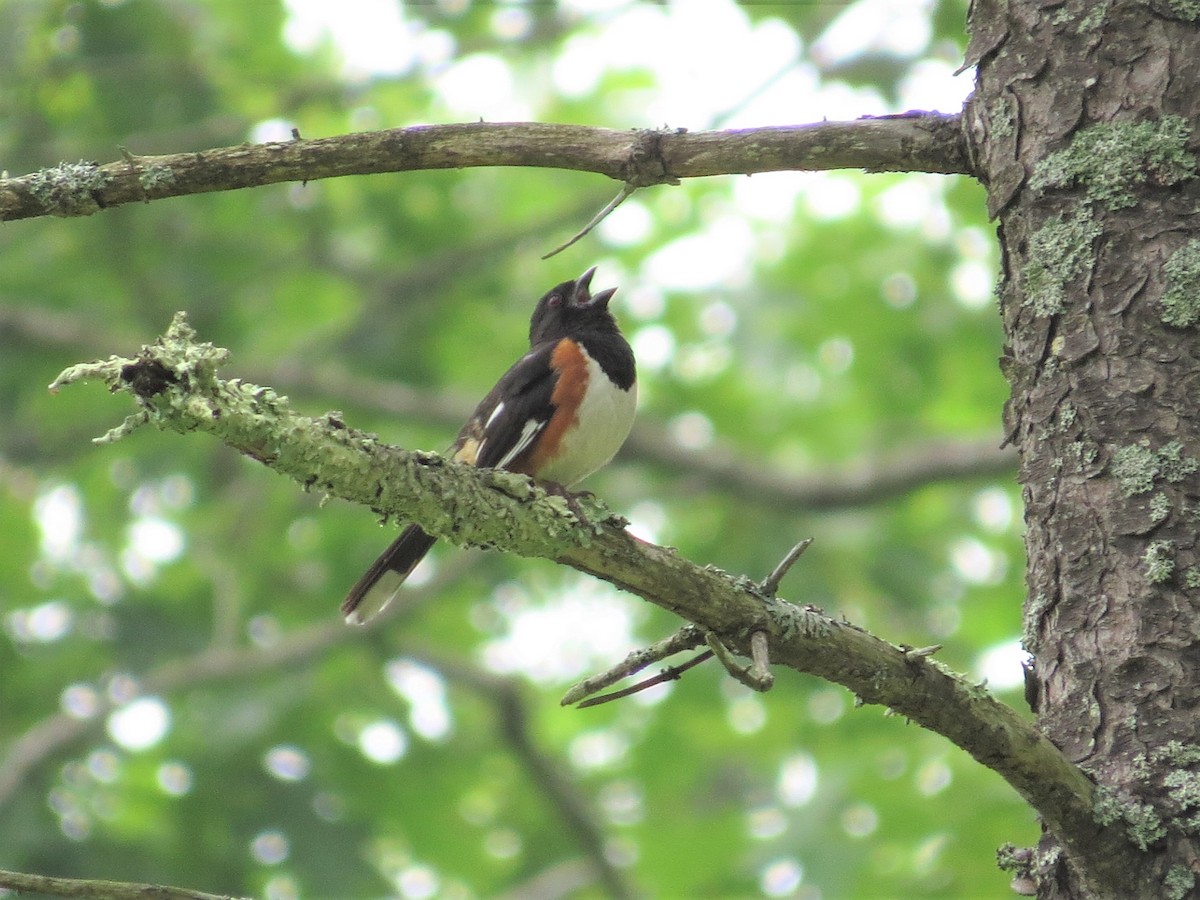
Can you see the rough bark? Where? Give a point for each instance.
(1082, 126)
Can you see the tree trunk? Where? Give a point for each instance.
(1082, 128)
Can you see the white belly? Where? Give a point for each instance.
(605, 417)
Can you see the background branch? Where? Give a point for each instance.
(912, 142)
(303, 647)
(721, 465)
(98, 890)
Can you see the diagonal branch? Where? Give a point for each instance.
(911, 142)
(175, 385)
(512, 714)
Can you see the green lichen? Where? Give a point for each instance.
(1160, 561)
(1095, 16)
(1014, 859)
(1160, 507)
(1183, 787)
(1191, 577)
(1109, 160)
(1135, 467)
(1179, 883)
(1188, 10)
(1181, 299)
(1004, 122)
(1106, 807)
(1140, 766)
(1084, 453)
(1142, 824)
(1067, 413)
(1178, 754)
(803, 623)
(1059, 252)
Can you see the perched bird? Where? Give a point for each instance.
(560, 413)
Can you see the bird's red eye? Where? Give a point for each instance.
(555, 300)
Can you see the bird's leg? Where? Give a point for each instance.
(572, 498)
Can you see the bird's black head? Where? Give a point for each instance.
(569, 308)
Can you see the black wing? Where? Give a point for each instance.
(513, 413)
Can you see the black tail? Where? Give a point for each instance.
(379, 583)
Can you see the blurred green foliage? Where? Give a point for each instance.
(831, 318)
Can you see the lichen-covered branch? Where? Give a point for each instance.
(175, 385)
(912, 142)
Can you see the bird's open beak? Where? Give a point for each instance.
(583, 295)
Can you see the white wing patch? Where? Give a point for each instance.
(492, 418)
(528, 432)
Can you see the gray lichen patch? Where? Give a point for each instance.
(154, 177)
(1173, 465)
(1059, 252)
(1136, 466)
(1111, 159)
(68, 189)
(1142, 824)
(1037, 607)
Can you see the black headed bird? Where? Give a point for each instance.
(560, 413)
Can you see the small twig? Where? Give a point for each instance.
(756, 676)
(626, 191)
(671, 673)
(760, 659)
(770, 586)
(921, 652)
(686, 638)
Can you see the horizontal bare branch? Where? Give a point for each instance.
(176, 387)
(93, 889)
(912, 142)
